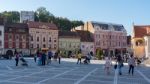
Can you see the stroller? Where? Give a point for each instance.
(24, 62)
(86, 60)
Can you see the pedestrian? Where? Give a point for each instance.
(39, 55)
(59, 56)
(43, 58)
(131, 63)
(17, 58)
(50, 54)
(35, 57)
(120, 64)
(108, 64)
(79, 57)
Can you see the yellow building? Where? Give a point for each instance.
(69, 43)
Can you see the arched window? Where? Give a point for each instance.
(139, 43)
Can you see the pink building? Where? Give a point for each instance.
(43, 36)
(108, 37)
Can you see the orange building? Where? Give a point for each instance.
(139, 37)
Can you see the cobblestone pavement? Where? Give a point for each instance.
(68, 72)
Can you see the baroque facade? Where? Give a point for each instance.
(43, 36)
(108, 37)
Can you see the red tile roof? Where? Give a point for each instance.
(140, 31)
(32, 24)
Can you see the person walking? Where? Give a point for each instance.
(43, 58)
(79, 57)
(50, 54)
(108, 64)
(39, 55)
(59, 56)
(17, 59)
(131, 63)
(120, 64)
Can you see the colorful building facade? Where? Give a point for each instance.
(43, 36)
(16, 37)
(108, 37)
(87, 42)
(69, 43)
(140, 41)
(1, 35)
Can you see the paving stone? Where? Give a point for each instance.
(28, 79)
(59, 81)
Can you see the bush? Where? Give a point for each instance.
(99, 54)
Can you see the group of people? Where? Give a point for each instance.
(119, 64)
(86, 60)
(19, 57)
(45, 58)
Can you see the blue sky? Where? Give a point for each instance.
(114, 11)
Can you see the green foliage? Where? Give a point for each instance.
(99, 54)
(43, 15)
(12, 16)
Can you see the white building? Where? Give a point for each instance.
(1, 36)
(26, 16)
(147, 46)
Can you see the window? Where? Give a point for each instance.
(31, 46)
(37, 39)
(44, 46)
(55, 40)
(49, 46)
(23, 37)
(31, 38)
(91, 46)
(17, 37)
(139, 43)
(9, 37)
(10, 44)
(17, 45)
(37, 45)
(55, 46)
(44, 39)
(83, 46)
(0, 33)
(49, 39)
(0, 43)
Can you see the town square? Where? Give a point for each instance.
(74, 42)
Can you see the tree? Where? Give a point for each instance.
(99, 54)
(43, 14)
(12, 16)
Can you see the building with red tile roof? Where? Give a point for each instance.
(140, 40)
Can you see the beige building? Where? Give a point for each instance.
(69, 43)
(43, 36)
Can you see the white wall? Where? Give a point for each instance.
(147, 46)
(2, 39)
(87, 47)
